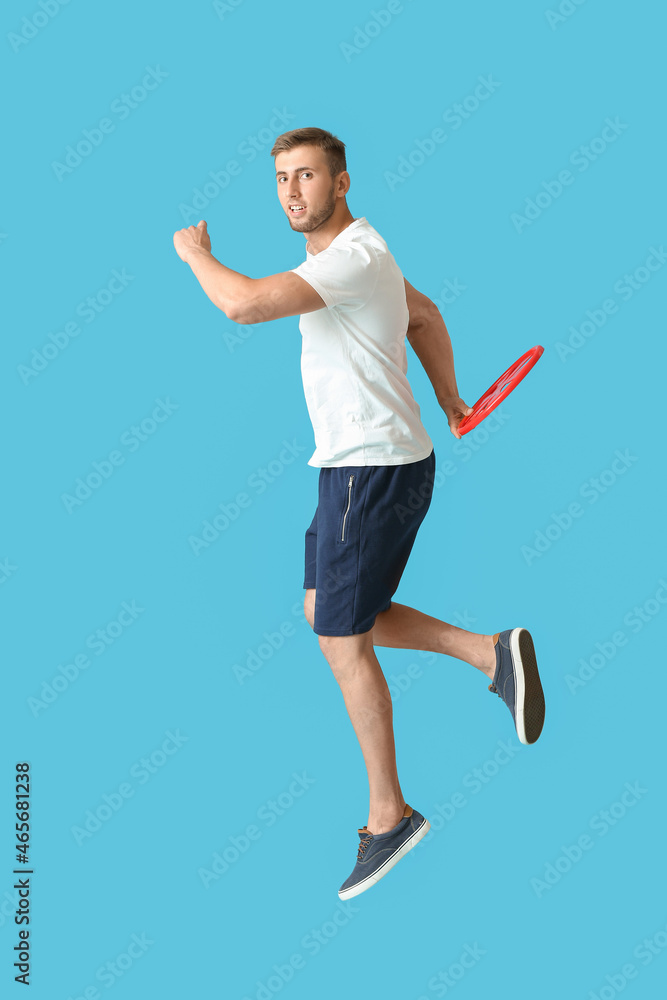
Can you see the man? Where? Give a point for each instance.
(376, 464)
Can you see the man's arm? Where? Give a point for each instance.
(244, 300)
(428, 337)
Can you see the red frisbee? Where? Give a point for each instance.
(500, 389)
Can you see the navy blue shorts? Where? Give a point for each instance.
(360, 538)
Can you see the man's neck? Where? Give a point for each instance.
(322, 237)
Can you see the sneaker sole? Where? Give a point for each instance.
(370, 880)
(529, 707)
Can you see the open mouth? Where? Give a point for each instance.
(297, 209)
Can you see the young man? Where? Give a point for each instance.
(376, 463)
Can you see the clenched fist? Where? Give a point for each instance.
(194, 239)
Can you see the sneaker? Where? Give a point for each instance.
(378, 852)
(517, 681)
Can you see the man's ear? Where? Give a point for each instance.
(344, 182)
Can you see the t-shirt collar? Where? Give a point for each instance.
(341, 233)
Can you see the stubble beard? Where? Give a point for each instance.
(316, 220)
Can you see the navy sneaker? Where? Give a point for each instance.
(378, 852)
(517, 681)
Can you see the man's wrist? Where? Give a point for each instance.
(195, 252)
(445, 400)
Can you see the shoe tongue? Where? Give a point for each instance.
(364, 832)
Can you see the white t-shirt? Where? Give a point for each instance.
(353, 359)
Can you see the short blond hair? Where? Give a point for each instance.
(331, 145)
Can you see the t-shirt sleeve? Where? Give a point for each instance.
(344, 275)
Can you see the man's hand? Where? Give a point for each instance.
(194, 239)
(244, 299)
(456, 410)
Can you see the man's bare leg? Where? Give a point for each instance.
(366, 694)
(368, 702)
(406, 628)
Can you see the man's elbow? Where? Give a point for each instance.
(234, 313)
(240, 306)
(425, 318)
(237, 312)
(429, 310)
(418, 325)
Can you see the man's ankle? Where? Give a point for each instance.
(489, 667)
(385, 818)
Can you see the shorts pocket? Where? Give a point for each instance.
(344, 532)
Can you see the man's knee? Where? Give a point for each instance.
(346, 651)
(309, 607)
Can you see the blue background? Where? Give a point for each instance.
(236, 397)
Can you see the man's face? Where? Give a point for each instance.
(303, 179)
